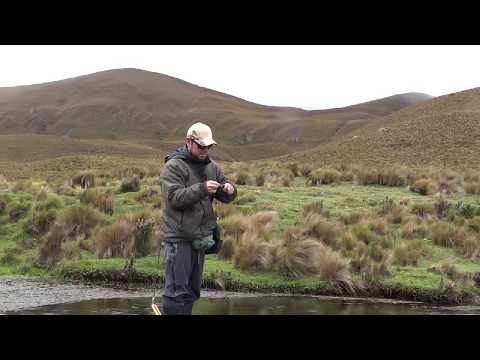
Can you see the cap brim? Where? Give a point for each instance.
(207, 142)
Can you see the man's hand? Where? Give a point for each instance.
(228, 188)
(212, 186)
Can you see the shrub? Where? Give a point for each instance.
(260, 180)
(71, 250)
(409, 253)
(441, 207)
(142, 237)
(40, 222)
(423, 187)
(80, 220)
(25, 186)
(422, 210)
(414, 229)
(468, 211)
(293, 167)
(316, 226)
(49, 202)
(243, 178)
(323, 177)
(364, 233)
(130, 185)
(103, 202)
(333, 267)
(295, 257)
(315, 208)
(474, 224)
(18, 210)
(447, 235)
(350, 218)
(389, 177)
(51, 250)
(84, 179)
(252, 253)
(472, 188)
(113, 240)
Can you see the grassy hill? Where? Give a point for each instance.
(137, 105)
(444, 132)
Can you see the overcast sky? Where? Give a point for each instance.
(309, 77)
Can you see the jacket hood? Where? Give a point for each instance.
(182, 153)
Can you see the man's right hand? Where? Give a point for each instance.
(212, 186)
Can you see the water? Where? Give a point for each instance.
(34, 296)
(255, 305)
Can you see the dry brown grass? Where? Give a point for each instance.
(253, 253)
(316, 226)
(113, 240)
(424, 187)
(472, 188)
(447, 235)
(102, 201)
(409, 253)
(80, 220)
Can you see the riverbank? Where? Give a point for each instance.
(427, 287)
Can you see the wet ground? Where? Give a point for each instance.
(29, 296)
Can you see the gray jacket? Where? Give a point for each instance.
(187, 211)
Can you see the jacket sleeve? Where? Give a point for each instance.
(173, 181)
(221, 195)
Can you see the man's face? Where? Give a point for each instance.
(197, 151)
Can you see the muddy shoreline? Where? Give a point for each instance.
(23, 293)
(446, 297)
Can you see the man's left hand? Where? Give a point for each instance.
(228, 188)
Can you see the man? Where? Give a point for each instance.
(190, 181)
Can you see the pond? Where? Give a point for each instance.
(255, 305)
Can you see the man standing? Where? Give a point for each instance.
(189, 181)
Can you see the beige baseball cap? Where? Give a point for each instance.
(201, 134)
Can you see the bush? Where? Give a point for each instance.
(84, 179)
(80, 220)
(447, 235)
(113, 240)
(252, 253)
(323, 177)
(409, 253)
(316, 226)
(49, 202)
(441, 207)
(18, 210)
(315, 208)
(472, 188)
(243, 178)
(103, 202)
(50, 251)
(423, 187)
(294, 257)
(40, 222)
(130, 185)
(260, 180)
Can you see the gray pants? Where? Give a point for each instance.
(183, 278)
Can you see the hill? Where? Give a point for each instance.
(443, 131)
(142, 106)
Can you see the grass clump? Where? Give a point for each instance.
(130, 185)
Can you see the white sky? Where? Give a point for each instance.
(309, 77)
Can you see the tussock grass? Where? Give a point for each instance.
(130, 185)
(472, 188)
(424, 187)
(447, 235)
(323, 177)
(80, 220)
(252, 253)
(113, 240)
(410, 253)
(102, 201)
(317, 227)
(84, 179)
